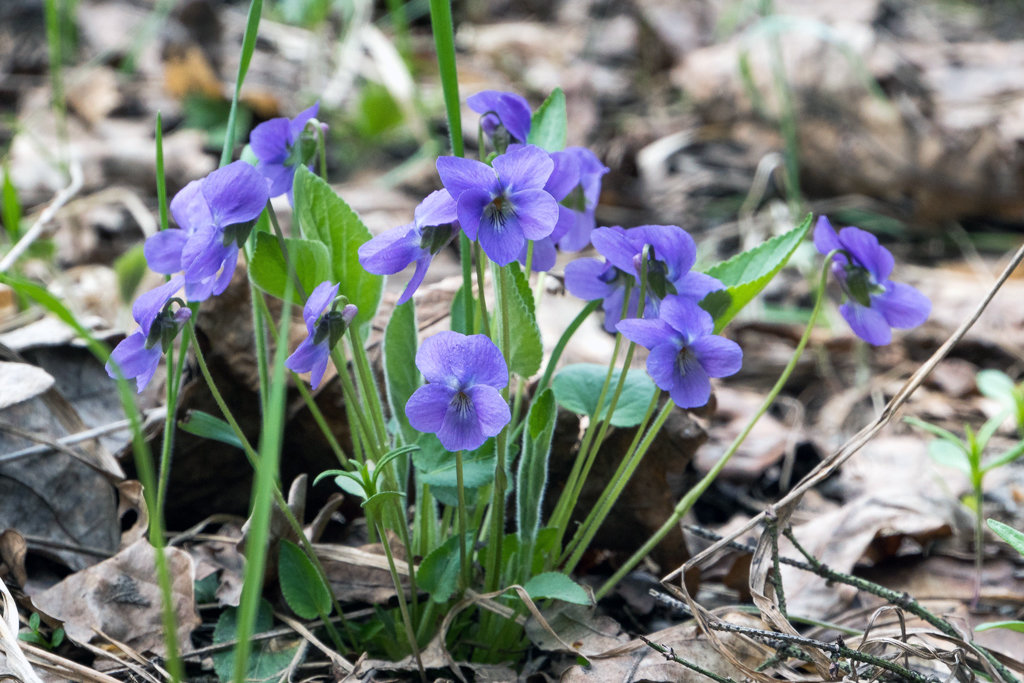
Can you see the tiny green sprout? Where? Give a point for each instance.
(36, 636)
(967, 455)
(363, 481)
(997, 385)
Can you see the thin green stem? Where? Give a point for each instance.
(463, 526)
(352, 404)
(161, 180)
(592, 522)
(697, 491)
(370, 393)
(402, 606)
(484, 320)
(617, 486)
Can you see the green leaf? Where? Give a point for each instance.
(325, 216)
(130, 267)
(533, 467)
(949, 455)
(263, 664)
(1006, 458)
(436, 466)
(1008, 534)
(746, 274)
(439, 571)
(374, 503)
(209, 427)
(577, 388)
(268, 271)
(401, 378)
(1011, 625)
(352, 484)
(301, 585)
(997, 385)
(937, 431)
(558, 586)
(10, 207)
(527, 348)
(550, 123)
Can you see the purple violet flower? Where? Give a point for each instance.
(139, 353)
(280, 146)
(417, 242)
(215, 214)
(324, 327)
(672, 253)
(575, 183)
(582, 199)
(505, 205)
(874, 303)
(461, 402)
(502, 110)
(684, 355)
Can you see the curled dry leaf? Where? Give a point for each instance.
(12, 553)
(120, 597)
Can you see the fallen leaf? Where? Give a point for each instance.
(639, 662)
(20, 381)
(121, 597)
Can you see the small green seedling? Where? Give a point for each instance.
(1016, 541)
(967, 455)
(36, 637)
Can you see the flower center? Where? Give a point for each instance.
(463, 404)
(499, 211)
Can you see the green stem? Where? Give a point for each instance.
(460, 487)
(693, 494)
(616, 487)
(485, 322)
(370, 393)
(599, 512)
(402, 606)
(352, 404)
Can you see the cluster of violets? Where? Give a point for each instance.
(525, 196)
(215, 215)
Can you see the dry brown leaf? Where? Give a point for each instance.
(870, 527)
(578, 626)
(639, 662)
(361, 574)
(120, 597)
(223, 557)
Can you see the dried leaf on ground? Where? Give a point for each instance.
(870, 527)
(639, 662)
(120, 597)
(361, 574)
(578, 625)
(20, 382)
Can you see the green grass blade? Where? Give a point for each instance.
(263, 495)
(252, 25)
